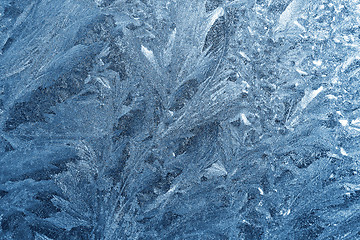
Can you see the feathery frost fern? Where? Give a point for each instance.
(179, 119)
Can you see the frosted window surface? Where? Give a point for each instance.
(179, 119)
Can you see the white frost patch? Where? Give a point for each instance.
(332, 97)
(244, 221)
(244, 119)
(334, 155)
(344, 122)
(244, 83)
(244, 56)
(216, 169)
(301, 72)
(356, 122)
(148, 54)
(309, 96)
(317, 62)
(343, 152)
(261, 191)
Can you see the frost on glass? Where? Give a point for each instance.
(191, 119)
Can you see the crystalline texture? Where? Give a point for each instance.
(179, 119)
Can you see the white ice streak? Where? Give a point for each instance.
(332, 97)
(148, 54)
(219, 12)
(348, 62)
(151, 58)
(309, 96)
(245, 56)
(167, 55)
(103, 81)
(301, 72)
(244, 119)
(299, 26)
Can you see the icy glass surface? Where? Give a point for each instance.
(179, 119)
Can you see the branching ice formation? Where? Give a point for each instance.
(179, 119)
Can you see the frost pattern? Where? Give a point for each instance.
(169, 119)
